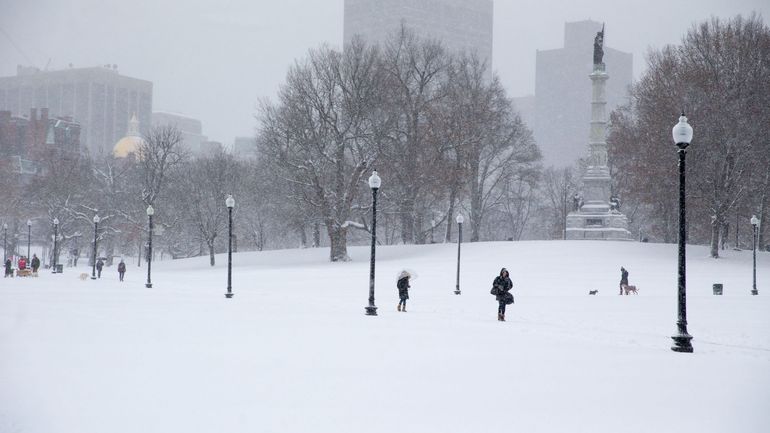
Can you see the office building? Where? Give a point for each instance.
(461, 25)
(100, 99)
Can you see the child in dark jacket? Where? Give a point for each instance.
(403, 290)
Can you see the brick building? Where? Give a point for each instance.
(24, 140)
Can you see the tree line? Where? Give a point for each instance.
(720, 77)
(445, 138)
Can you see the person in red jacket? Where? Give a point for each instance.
(22, 263)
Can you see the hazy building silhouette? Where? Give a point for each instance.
(462, 25)
(191, 128)
(98, 98)
(562, 107)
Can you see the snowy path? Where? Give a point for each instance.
(293, 351)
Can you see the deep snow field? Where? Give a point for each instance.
(292, 351)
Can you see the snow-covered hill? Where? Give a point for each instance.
(294, 352)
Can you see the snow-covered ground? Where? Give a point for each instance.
(294, 352)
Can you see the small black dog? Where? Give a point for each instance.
(593, 292)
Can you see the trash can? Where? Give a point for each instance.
(717, 289)
(59, 269)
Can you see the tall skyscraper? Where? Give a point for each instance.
(561, 122)
(98, 98)
(462, 25)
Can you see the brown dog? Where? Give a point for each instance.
(630, 289)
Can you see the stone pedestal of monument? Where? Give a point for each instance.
(596, 219)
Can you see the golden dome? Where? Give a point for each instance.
(126, 146)
(131, 143)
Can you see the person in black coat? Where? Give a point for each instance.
(121, 269)
(623, 279)
(99, 267)
(504, 285)
(8, 268)
(403, 290)
(35, 263)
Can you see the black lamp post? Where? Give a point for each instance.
(96, 230)
(755, 224)
(460, 221)
(230, 203)
(374, 184)
(150, 213)
(29, 237)
(55, 240)
(5, 243)
(682, 133)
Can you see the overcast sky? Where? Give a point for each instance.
(213, 60)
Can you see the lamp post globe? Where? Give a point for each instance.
(374, 183)
(682, 134)
(55, 243)
(150, 212)
(755, 225)
(96, 230)
(230, 203)
(460, 220)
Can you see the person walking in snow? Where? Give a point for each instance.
(503, 284)
(403, 290)
(121, 269)
(623, 279)
(22, 263)
(35, 263)
(99, 266)
(8, 268)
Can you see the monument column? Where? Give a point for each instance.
(595, 218)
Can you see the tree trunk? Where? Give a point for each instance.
(715, 237)
(338, 238)
(211, 253)
(450, 216)
(316, 234)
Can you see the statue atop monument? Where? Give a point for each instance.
(599, 47)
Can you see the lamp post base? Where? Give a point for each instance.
(371, 310)
(754, 292)
(457, 291)
(228, 295)
(148, 285)
(682, 343)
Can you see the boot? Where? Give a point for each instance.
(403, 309)
(499, 316)
(502, 317)
(399, 307)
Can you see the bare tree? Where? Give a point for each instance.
(719, 75)
(325, 131)
(160, 151)
(208, 181)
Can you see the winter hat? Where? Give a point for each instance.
(504, 270)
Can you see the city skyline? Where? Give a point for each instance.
(218, 62)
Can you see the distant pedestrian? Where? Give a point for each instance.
(35, 263)
(8, 268)
(22, 263)
(501, 287)
(403, 290)
(99, 266)
(623, 279)
(121, 269)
